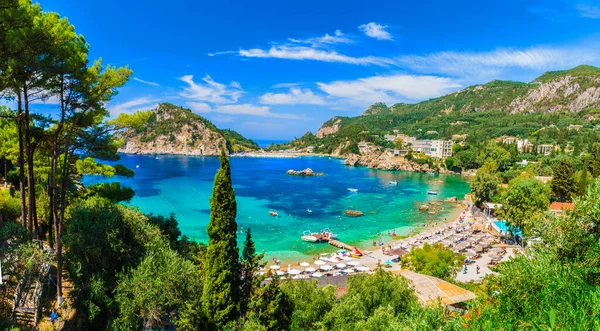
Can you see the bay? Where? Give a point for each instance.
(183, 185)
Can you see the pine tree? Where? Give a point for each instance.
(563, 182)
(250, 262)
(221, 293)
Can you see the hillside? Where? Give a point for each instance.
(485, 111)
(169, 129)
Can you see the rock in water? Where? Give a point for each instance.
(353, 213)
(305, 172)
(424, 207)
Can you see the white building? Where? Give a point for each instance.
(434, 148)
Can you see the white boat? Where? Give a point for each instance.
(308, 211)
(393, 182)
(308, 236)
(328, 233)
(432, 193)
(137, 166)
(157, 158)
(353, 190)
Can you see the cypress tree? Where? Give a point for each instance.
(250, 265)
(584, 180)
(563, 182)
(221, 293)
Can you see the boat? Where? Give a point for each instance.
(328, 233)
(157, 158)
(273, 213)
(137, 166)
(393, 182)
(308, 211)
(432, 193)
(309, 236)
(353, 190)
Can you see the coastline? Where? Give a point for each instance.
(366, 245)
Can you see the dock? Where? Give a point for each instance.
(340, 244)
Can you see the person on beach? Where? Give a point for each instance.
(478, 269)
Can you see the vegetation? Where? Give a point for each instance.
(434, 260)
(525, 201)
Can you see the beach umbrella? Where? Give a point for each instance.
(398, 251)
(478, 248)
(304, 264)
(470, 254)
(280, 273)
(260, 273)
(298, 277)
(275, 267)
(294, 272)
(346, 258)
(496, 250)
(340, 266)
(348, 271)
(363, 268)
(317, 274)
(353, 263)
(311, 269)
(326, 267)
(388, 262)
(494, 257)
(320, 262)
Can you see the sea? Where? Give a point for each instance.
(182, 185)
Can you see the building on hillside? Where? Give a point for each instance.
(310, 149)
(434, 148)
(575, 127)
(545, 149)
(560, 208)
(430, 132)
(397, 152)
(460, 137)
(390, 137)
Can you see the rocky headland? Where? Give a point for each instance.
(384, 161)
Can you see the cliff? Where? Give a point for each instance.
(174, 130)
(384, 161)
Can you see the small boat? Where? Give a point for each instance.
(308, 236)
(328, 233)
(353, 190)
(432, 193)
(308, 211)
(273, 213)
(157, 158)
(393, 182)
(137, 166)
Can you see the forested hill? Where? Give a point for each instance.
(498, 108)
(169, 129)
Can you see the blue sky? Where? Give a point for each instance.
(277, 69)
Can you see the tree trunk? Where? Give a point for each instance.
(21, 163)
(29, 151)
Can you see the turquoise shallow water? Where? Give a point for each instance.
(183, 185)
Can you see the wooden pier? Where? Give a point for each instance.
(340, 244)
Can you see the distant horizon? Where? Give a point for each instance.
(277, 70)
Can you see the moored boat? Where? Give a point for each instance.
(273, 213)
(432, 193)
(309, 236)
(353, 190)
(328, 233)
(393, 182)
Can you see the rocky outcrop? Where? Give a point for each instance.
(329, 127)
(173, 130)
(384, 161)
(306, 172)
(566, 93)
(376, 108)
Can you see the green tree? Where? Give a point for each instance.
(111, 191)
(399, 143)
(486, 182)
(271, 307)
(434, 260)
(250, 262)
(221, 293)
(594, 165)
(156, 289)
(563, 181)
(583, 179)
(526, 199)
(310, 302)
(450, 163)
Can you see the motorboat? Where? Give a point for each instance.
(432, 193)
(137, 166)
(157, 158)
(309, 236)
(393, 182)
(273, 213)
(328, 233)
(353, 190)
(308, 211)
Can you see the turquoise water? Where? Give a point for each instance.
(504, 227)
(183, 185)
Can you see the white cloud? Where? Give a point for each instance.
(588, 11)
(198, 107)
(389, 89)
(376, 31)
(221, 53)
(307, 53)
(210, 90)
(248, 109)
(490, 64)
(295, 96)
(286, 85)
(236, 85)
(132, 105)
(327, 39)
(145, 82)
